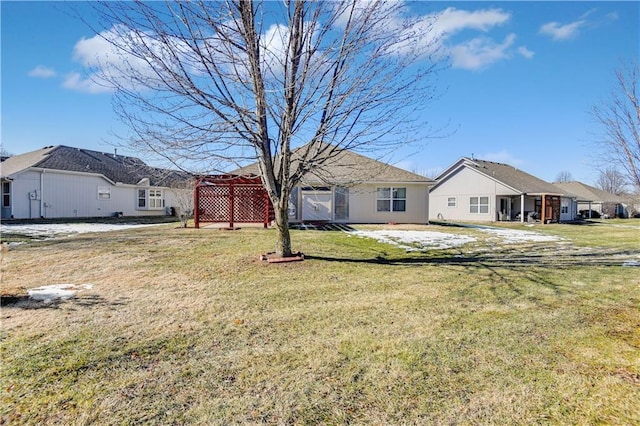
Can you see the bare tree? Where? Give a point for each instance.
(612, 181)
(182, 192)
(619, 117)
(564, 176)
(4, 154)
(226, 83)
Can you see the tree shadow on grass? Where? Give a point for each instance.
(501, 259)
(24, 301)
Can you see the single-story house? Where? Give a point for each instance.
(353, 188)
(66, 182)
(485, 191)
(592, 199)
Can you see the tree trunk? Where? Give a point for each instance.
(283, 243)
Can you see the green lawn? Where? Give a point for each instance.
(189, 326)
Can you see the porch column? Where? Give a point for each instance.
(544, 208)
(522, 208)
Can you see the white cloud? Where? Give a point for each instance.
(480, 52)
(558, 31)
(477, 52)
(525, 52)
(452, 20)
(109, 66)
(501, 157)
(42, 72)
(74, 81)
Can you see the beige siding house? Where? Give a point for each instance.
(594, 199)
(484, 191)
(66, 182)
(352, 188)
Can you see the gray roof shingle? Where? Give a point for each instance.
(116, 168)
(589, 193)
(346, 167)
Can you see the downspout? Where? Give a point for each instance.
(42, 211)
(428, 194)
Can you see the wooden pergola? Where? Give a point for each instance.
(231, 199)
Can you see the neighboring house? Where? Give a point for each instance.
(65, 182)
(484, 191)
(594, 199)
(352, 188)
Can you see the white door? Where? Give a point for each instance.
(316, 206)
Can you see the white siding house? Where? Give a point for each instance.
(353, 188)
(66, 182)
(484, 191)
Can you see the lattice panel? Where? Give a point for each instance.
(249, 204)
(215, 204)
(223, 200)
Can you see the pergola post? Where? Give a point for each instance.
(196, 204)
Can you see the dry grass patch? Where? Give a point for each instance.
(188, 326)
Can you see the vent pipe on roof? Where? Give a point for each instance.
(115, 152)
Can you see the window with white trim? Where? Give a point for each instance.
(155, 199)
(452, 202)
(479, 205)
(6, 194)
(104, 193)
(391, 199)
(142, 198)
(150, 199)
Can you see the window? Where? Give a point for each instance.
(151, 199)
(104, 193)
(292, 210)
(155, 199)
(391, 199)
(479, 205)
(451, 202)
(341, 205)
(6, 194)
(565, 209)
(142, 198)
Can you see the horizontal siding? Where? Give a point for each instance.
(362, 205)
(68, 195)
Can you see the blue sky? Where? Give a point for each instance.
(523, 77)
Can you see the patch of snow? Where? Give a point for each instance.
(52, 229)
(631, 263)
(49, 293)
(417, 240)
(420, 240)
(511, 236)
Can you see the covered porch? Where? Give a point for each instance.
(543, 208)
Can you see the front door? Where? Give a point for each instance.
(316, 205)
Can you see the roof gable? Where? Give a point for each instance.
(346, 167)
(503, 173)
